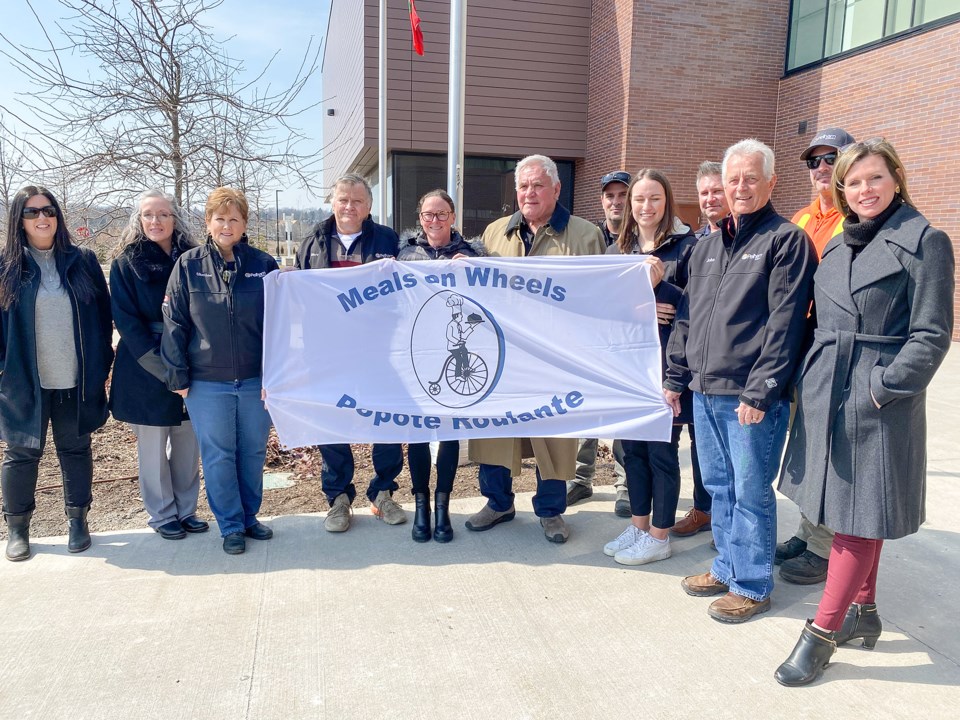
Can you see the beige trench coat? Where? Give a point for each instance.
(565, 234)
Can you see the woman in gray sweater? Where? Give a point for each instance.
(55, 355)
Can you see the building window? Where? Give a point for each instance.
(488, 189)
(820, 29)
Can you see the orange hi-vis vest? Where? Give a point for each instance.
(825, 226)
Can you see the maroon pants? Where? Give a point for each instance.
(851, 578)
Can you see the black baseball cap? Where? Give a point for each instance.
(616, 176)
(830, 137)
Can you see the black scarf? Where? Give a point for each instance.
(858, 234)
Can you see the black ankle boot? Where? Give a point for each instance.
(861, 621)
(421, 518)
(443, 530)
(808, 659)
(18, 536)
(79, 539)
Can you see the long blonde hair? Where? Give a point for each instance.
(880, 147)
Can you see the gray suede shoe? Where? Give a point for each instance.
(385, 508)
(338, 517)
(555, 529)
(488, 518)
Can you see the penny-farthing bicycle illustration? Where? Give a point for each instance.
(470, 382)
(463, 372)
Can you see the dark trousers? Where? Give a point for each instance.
(496, 485)
(337, 474)
(20, 464)
(701, 498)
(653, 478)
(418, 458)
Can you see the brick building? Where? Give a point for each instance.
(607, 84)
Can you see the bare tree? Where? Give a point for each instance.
(165, 108)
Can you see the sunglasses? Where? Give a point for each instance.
(813, 162)
(32, 213)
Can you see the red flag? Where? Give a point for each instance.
(415, 28)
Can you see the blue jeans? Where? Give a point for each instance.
(336, 475)
(739, 464)
(496, 485)
(232, 427)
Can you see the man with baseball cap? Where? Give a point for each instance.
(613, 199)
(803, 558)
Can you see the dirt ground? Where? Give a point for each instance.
(116, 493)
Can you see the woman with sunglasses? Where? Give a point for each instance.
(436, 240)
(55, 355)
(212, 347)
(653, 468)
(856, 456)
(167, 453)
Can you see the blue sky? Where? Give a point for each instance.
(259, 29)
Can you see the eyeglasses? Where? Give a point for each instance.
(431, 216)
(813, 162)
(32, 213)
(150, 217)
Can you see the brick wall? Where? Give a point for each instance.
(908, 92)
(673, 84)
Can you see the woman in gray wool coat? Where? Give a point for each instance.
(856, 458)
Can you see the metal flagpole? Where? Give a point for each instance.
(382, 114)
(458, 51)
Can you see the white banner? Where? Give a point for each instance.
(484, 347)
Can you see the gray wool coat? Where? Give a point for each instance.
(883, 327)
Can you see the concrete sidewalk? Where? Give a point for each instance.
(499, 624)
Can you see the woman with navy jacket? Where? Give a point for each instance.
(653, 468)
(167, 453)
(212, 348)
(55, 355)
(437, 240)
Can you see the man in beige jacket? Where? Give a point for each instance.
(540, 227)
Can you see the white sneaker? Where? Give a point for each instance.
(624, 540)
(644, 550)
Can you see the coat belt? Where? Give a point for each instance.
(846, 341)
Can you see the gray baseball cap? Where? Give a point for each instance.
(619, 176)
(830, 137)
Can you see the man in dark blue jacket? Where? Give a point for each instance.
(351, 237)
(736, 343)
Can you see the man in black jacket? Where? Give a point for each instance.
(736, 343)
(351, 237)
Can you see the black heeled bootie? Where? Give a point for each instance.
(18, 536)
(861, 621)
(443, 530)
(79, 539)
(421, 518)
(808, 659)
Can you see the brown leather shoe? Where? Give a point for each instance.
(733, 608)
(693, 522)
(703, 585)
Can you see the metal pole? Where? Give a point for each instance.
(382, 114)
(458, 51)
(276, 199)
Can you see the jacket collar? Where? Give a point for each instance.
(558, 220)
(749, 222)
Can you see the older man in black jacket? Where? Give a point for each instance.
(736, 342)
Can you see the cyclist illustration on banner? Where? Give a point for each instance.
(469, 371)
(463, 375)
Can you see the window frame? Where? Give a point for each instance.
(884, 40)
